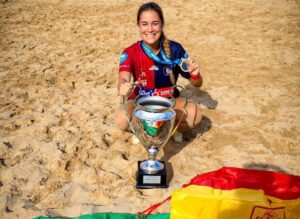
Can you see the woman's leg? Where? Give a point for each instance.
(193, 115)
(121, 119)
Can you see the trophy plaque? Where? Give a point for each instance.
(153, 122)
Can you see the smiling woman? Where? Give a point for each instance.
(155, 64)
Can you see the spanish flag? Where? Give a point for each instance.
(233, 193)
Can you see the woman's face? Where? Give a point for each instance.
(150, 26)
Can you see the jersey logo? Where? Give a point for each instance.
(162, 92)
(154, 67)
(123, 57)
(168, 71)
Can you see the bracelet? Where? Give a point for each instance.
(195, 77)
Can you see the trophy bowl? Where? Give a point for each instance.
(153, 121)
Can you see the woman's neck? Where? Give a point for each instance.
(154, 47)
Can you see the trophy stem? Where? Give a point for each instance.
(152, 153)
(152, 165)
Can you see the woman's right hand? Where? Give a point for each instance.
(125, 89)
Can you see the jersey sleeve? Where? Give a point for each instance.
(126, 61)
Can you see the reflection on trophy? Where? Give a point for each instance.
(153, 122)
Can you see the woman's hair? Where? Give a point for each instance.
(155, 7)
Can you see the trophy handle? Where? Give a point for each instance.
(127, 117)
(126, 112)
(184, 112)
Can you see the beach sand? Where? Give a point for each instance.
(61, 153)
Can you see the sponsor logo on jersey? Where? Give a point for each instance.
(154, 67)
(163, 92)
(123, 57)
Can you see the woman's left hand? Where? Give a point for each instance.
(193, 66)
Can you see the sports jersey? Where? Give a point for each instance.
(153, 77)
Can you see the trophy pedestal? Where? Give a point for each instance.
(151, 180)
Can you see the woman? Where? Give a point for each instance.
(154, 65)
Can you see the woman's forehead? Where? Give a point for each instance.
(149, 15)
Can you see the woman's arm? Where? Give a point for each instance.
(124, 85)
(196, 79)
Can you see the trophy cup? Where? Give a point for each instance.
(153, 121)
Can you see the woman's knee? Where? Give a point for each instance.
(194, 114)
(198, 116)
(121, 116)
(121, 120)
(191, 116)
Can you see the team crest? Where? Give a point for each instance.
(168, 71)
(123, 57)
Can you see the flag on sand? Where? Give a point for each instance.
(227, 193)
(233, 193)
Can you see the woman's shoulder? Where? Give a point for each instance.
(177, 50)
(175, 45)
(133, 47)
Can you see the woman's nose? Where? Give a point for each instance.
(150, 28)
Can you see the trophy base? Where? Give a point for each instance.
(151, 180)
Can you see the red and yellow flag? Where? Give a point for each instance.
(233, 193)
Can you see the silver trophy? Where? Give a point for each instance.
(153, 122)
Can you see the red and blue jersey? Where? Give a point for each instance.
(152, 76)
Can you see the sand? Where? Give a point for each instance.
(61, 153)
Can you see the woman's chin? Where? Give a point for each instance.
(151, 42)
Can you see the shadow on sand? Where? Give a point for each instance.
(202, 97)
(172, 148)
(264, 166)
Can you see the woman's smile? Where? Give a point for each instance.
(150, 27)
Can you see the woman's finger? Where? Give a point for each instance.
(192, 67)
(195, 71)
(191, 61)
(125, 89)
